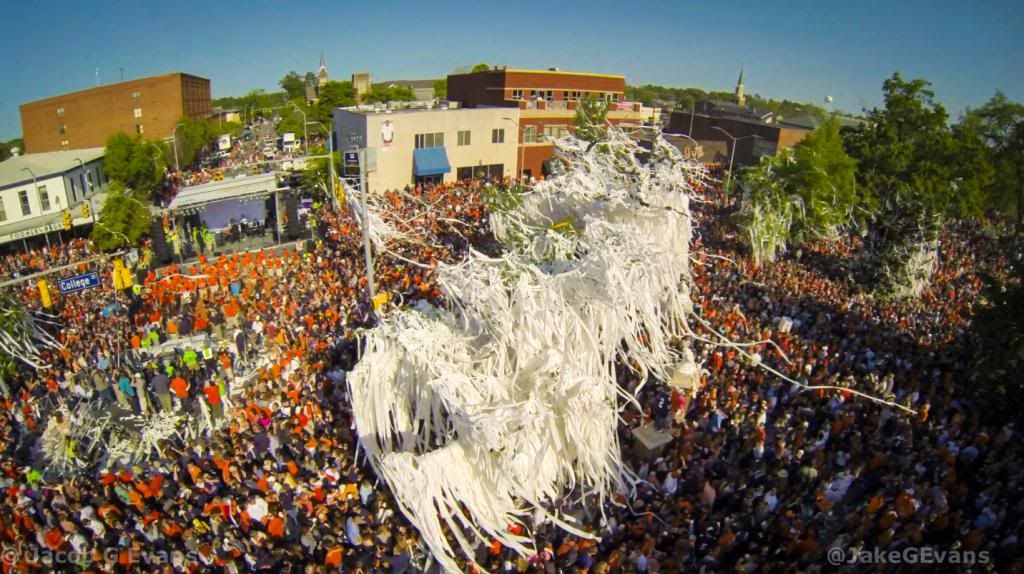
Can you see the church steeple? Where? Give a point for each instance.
(740, 98)
(321, 75)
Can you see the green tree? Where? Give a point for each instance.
(591, 119)
(481, 67)
(441, 88)
(192, 137)
(136, 163)
(824, 177)
(333, 95)
(999, 123)
(294, 85)
(383, 94)
(998, 349)
(125, 218)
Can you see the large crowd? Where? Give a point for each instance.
(761, 475)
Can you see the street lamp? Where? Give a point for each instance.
(81, 167)
(732, 154)
(522, 147)
(174, 134)
(305, 136)
(39, 198)
(330, 158)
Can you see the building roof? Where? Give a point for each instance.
(107, 86)
(411, 84)
(12, 171)
(250, 185)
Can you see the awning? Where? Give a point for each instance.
(430, 161)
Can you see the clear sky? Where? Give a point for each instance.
(796, 49)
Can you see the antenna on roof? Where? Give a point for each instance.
(97, 76)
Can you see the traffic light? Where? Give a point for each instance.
(85, 210)
(67, 221)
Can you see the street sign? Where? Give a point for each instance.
(78, 283)
(352, 158)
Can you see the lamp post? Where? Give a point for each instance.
(305, 136)
(39, 198)
(330, 159)
(732, 154)
(522, 147)
(174, 134)
(92, 211)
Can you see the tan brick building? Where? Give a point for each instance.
(85, 119)
(547, 101)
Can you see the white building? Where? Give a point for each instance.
(36, 190)
(426, 143)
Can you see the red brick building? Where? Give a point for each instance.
(547, 104)
(85, 119)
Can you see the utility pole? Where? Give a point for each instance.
(366, 225)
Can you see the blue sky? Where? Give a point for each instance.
(801, 50)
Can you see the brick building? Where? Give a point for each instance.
(85, 119)
(547, 101)
(757, 133)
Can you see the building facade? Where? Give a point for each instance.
(150, 107)
(753, 133)
(547, 101)
(37, 189)
(425, 143)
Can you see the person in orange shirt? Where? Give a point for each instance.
(180, 387)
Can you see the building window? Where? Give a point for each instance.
(533, 94)
(60, 112)
(615, 97)
(137, 112)
(26, 208)
(62, 128)
(88, 177)
(64, 144)
(498, 135)
(3, 210)
(530, 134)
(74, 189)
(516, 95)
(577, 95)
(464, 173)
(136, 96)
(565, 96)
(549, 95)
(430, 140)
(44, 198)
(138, 128)
(464, 137)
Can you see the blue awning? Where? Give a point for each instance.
(430, 161)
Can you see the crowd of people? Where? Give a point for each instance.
(761, 474)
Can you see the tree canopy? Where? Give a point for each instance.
(136, 163)
(441, 88)
(293, 85)
(1000, 124)
(123, 221)
(382, 94)
(590, 121)
(332, 95)
(481, 67)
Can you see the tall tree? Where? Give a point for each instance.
(824, 177)
(191, 137)
(441, 88)
(294, 85)
(136, 163)
(591, 119)
(907, 158)
(999, 122)
(481, 67)
(125, 218)
(332, 95)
